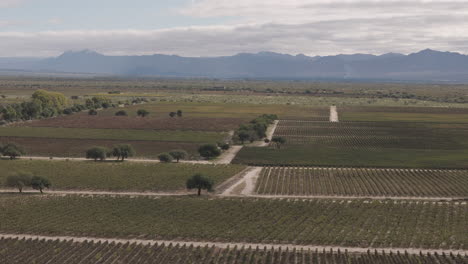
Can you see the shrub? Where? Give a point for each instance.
(165, 157)
(121, 113)
(209, 151)
(92, 112)
(178, 154)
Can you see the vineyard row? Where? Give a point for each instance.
(41, 251)
(362, 182)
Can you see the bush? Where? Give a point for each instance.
(209, 151)
(19, 181)
(92, 112)
(97, 153)
(224, 146)
(121, 113)
(11, 150)
(178, 154)
(165, 157)
(39, 183)
(142, 113)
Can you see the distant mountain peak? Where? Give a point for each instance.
(85, 52)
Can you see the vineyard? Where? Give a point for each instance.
(358, 223)
(42, 251)
(117, 176)
(373, 135)
(362, 182)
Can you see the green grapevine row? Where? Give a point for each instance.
(41, 251)
(363, 182)
(348, 223)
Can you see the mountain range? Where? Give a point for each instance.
(426, 65)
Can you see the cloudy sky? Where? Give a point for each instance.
(43, 28)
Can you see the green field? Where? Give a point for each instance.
(354, 157)
(111, 134)
(365, 144)
(115, 176)
(226, 110)
(359, 223)
(362, 182)
(55, 252)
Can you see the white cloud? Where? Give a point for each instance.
(328, 37)
(10, 3)
(293, 26)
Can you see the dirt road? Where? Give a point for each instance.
(333, 114)
(232, 244)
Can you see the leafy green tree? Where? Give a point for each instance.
(10, 114)
(52, 100)
(92, 112)
(172, 114)
(121, 113)
(40, 183)
(179, 113)
(123, 151)
(19, 181)
(178, 154)
(97, 153)
(278, 141)
(209, 151)
(13, 151)
(31, 110)
(142, 113)
(199, 182)
(165, 157)
(243, 136)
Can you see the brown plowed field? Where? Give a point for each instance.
(77, 147)
(123, 122)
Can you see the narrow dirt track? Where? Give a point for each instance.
(232, 245)
(269, 135)
(246, 192)
(249, 179)
(333, 114)
(228, 155)
(58, 192)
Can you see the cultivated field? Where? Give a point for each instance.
(365, 144)
(362, 182)
(56, 147)
(358, 223)
(116, 176)
(41, 251)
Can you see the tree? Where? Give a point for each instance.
(123, 151)
(165, 157)
(92, 112)
(243, 136)
(12, 150)
(142, 113)
(199, 182)
(179, 113)
(172, 114)
(97, 153)
(178, 154)
(19, 181)
(209, 151)
(39, 183)
(278, 141)
(121, 113)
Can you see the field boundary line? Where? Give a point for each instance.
(342, 197)
(225, 245)
(244, 194)
(110, 193)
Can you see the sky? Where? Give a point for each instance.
(199, 28)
